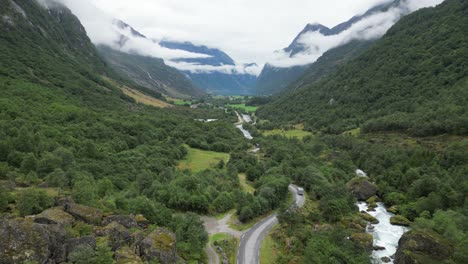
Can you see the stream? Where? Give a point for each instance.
(385, 234)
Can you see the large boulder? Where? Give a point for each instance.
(400, 220)
(75, 243)
(158, 245)
(419, 247)
(362, 188)
(117, 234)
(87, 214)
(126, 220)
(22, 240)
(364, 240)
(54, 216)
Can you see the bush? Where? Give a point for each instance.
(33, 201)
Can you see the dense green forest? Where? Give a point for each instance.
(414, 79)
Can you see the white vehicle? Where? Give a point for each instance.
(300, 191)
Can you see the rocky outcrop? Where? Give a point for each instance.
(142, 221)
(399, 220)
(160, 245)
(117, 234)
(87, 214)
(54, 216)
(362, 188)
(419, 247)
(23, 240)
(126, 220)
(76, 243)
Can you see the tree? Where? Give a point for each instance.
(33, 201)
(29, 163)
(57, 178)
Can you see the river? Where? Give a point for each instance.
(385, 234)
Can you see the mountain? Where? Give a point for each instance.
(273, 79)
(149, 72)
(231, 81)
(412, 80)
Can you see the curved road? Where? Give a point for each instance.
(251, 241)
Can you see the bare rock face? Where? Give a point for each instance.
(422, 247)
(126, 220)
(22, 240)
(158, 245)
(362, 188)
(87, 214)
(54, 216)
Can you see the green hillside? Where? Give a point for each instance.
(413, 80)
(151, 73)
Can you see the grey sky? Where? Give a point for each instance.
(248, 30)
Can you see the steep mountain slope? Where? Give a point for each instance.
(151, 73)
(227, 82)
(273, 79)
(414, 79)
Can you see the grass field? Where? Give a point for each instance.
(268, 251)
(246, 187)
(199, 160)
(249, 109)
(293, 133)
(144, 99)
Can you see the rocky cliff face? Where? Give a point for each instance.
(46, 238)
(418, 247)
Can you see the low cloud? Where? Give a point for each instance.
(372, 27)
(226, 69)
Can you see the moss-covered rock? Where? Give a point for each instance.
(22, 240)
(369, 218)
(76, 243)
(158, 245)
(54, 216)
(364, 240)
(393, 209)
(399, 220)
(117, 234)
(372, 203)
(125, 255)
(142, 221)
(88, 214)
(126, 220)
(422, 247)
(362, 188)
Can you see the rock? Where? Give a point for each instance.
(362, 188)
(386, 259)
(422, 247)
(399, 220)
(393, 210)
(126, 256)
(158, 245)
(118, 235)
(369, 218)
(142, 221)
(22, 240)
(75, 243)
(54, 216)
(378, 248)
(364, 240)
(62, 201)
(125, 220)
(372, 203)
(88, 214)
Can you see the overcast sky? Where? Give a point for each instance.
(248, 30)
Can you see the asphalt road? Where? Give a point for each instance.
(251, 241)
